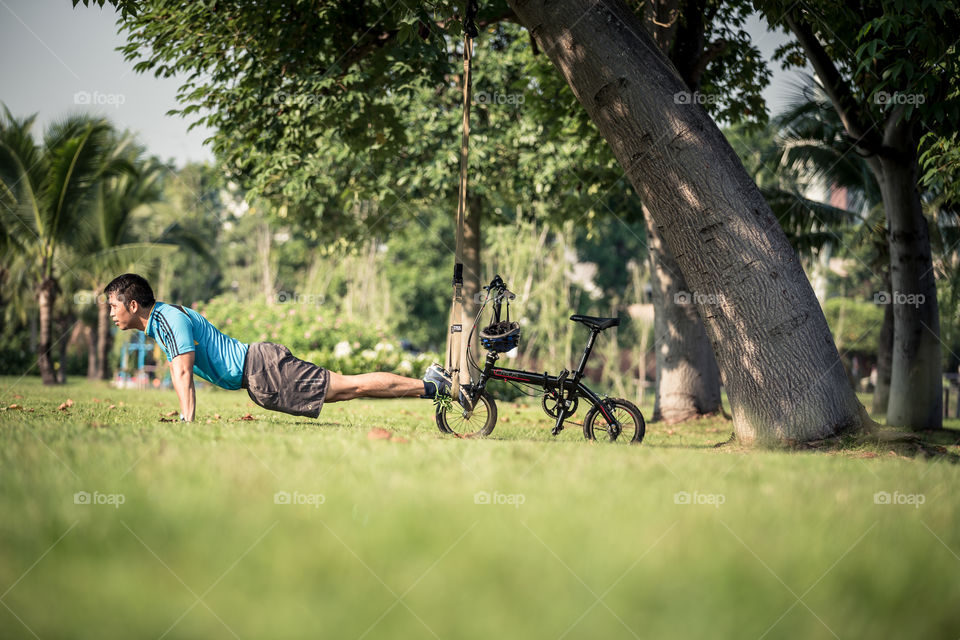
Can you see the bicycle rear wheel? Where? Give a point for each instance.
(632, 425)
(479, 422)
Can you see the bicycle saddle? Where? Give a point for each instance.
(597, 324)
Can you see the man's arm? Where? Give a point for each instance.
(181, 373)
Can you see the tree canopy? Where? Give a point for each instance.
(322, 108)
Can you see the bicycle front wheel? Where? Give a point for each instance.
(458, 421)
(632, 425)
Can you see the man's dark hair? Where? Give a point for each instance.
(131, 286)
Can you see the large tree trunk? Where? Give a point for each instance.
(104, 341)
(472, 268)
(46, 296)
(661, 20)
(916, 398)
(3, 283)
(881, 392)
(688, 380)
(93, 370)
(64, 325)
(915, 380)
(779, 364)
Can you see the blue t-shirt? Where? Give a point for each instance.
(218, 358)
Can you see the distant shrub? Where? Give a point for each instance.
(855, 324)
(315, 333)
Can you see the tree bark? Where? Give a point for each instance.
(104, 341)
(64, 325)
(3, 283)
(93, 369)
(662, 16)
(472, 267)
(881, 392)
(46, 296)
(916, 397)
(779, 364)
(688, 380)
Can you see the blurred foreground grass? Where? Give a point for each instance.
(518, 535)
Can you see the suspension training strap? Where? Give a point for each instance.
(456, 346)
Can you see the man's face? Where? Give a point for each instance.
(120, 314)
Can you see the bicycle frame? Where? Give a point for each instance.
(566, 390)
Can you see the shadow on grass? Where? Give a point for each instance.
(931, 445)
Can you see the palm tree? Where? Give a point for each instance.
(44, 191)
(108, 240)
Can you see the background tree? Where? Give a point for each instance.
(191, 215)
(766, 327)
(890, 69)
(724, 72)
(109, 244)
(44, 188)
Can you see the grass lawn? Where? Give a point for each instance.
(280, 527)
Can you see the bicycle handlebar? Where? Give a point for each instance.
(498, 285)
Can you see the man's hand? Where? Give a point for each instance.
(181, 373)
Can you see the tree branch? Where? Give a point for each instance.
(688, 43)
(836, 87)
(373, 43)
(507, 15)
(379, 40)
(716, 48)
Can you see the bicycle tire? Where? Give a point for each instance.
(480, 422)
(633, 426)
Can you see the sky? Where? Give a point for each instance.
(59, 60)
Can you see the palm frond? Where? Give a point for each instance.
(74, 166)
(809, 224)
(132, 257)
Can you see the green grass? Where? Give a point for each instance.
(599, 547)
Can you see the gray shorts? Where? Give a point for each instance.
(275, 380)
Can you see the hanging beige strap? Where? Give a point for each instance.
(456, 345)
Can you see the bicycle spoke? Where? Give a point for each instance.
(630, 419)
(479, 421)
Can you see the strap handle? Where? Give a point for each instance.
(455, 343)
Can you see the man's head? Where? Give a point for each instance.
(130, 298)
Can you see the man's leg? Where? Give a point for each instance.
(372, 385)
